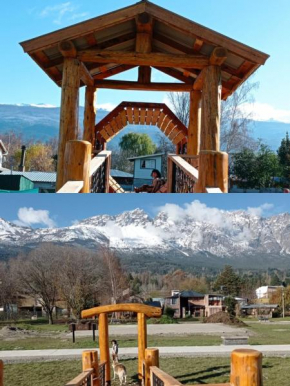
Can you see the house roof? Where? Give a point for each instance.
(172, 34)
(120, 173)
(254, 306)
(4, 150)
(35, 176)
(146, 156)
(191, 294)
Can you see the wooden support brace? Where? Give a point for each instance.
(246, 368)
(86, 76)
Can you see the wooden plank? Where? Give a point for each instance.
(185, 166)
(113, 71)
(173, 134)
(85, 75)
(104, 134)
(139, 59)
(165, 123)
(119, 122)
(179, 138)
(136, 116)
(176, 74)
(130, 116)
(78, 381)
(213, 190)
(151, 312)
(169, 128)
(108, 117)
(155, 116)
(123, 116)
(84, 28)
(193, 29)
(144, 74)
(197, 46)
(114, 125)
(160, 119)
(167, 379)
(97, 161)
(149, 116)
(142, 116)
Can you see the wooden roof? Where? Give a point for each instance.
(172, 34)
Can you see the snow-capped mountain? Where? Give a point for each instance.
(243, 239)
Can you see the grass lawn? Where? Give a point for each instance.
(185, 370)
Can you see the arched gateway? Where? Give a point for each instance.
(204, 63)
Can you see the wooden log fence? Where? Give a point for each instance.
(182, 176)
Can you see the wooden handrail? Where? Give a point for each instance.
(72, 187)
(127, 307)
(167, 379)
(81, 378)
(98, 161)
(213, 190)
(185, 166)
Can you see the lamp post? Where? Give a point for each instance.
(283, 299)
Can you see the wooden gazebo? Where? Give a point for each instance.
(208, 65)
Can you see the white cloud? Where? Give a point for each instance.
(266, 112)
(260, 210)
(106, 106)
(30, 216)
(59, 11)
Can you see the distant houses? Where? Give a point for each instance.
(143, 167)
(3, 152)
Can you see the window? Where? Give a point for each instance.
(174, 301)
(148, 164)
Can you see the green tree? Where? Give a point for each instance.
(228, 282)
(284, 156)
(267, 167)
(134, 144)
(39, 157)
(230, 303)
(244, 167)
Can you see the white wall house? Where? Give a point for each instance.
(3, 152)
(266, 291)
(144, 165)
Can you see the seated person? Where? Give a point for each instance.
(158, 184)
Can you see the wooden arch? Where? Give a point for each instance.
(142, 312)
(135, 113)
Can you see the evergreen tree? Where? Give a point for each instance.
(284, 156)
(228, 282)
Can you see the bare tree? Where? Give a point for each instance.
(115, 280)
(8, 288)
(38, 276)
(80, 279)
(236, 123)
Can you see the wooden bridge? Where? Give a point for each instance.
(204, 63)
(246, 365)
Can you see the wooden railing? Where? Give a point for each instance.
(102, 374)
(93, 374)
(182, 176)
(83, 379)
(83, 174)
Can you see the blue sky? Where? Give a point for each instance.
(63, 210)
(262, 24)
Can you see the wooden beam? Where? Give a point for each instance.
(218, 56)
(176, 74)
(128, 85)
(69, 112)
(211, 109)
(90, 115)
(151, 312)
(198, 45)
(193, 143)
(113, 71)
(138, 59)
(144, 75)
(67, 49)
(198, 84)
(86, 77)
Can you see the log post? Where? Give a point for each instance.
(142, 341)
(90, 115)
(104, 344)
(151, 359)
(1, 374)
(211, 109)
(193, 144)
(108, 172)
(90, 361)
(77, 163)
(246, 368)
(213, 171)
(69, 112)
(170, 177)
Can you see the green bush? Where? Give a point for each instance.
(169, 312)
(163, 320)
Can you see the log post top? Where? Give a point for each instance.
(151, 312)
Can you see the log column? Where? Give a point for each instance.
(142, 342)
(211, 109)
(104, 345)
(69, 112)
(90, 361)
(90, 115)
(193, 144)
(151, 359)
(246, 368)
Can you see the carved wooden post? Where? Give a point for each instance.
(151, 359)
(246, 368)
(104, 344)
(211, 109)
(69, 112)
(90, 115)
(193, 144)
(90, 361)
(142, 341)
(1, 374)
(77, 163)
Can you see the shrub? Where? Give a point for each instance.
(169, 312)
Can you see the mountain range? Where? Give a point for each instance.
(41, 122)
(168, 241)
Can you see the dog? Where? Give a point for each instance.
(121, 371)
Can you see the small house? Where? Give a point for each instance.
(43, 181)
(3, 152)
(10, 183)
(144, 165)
